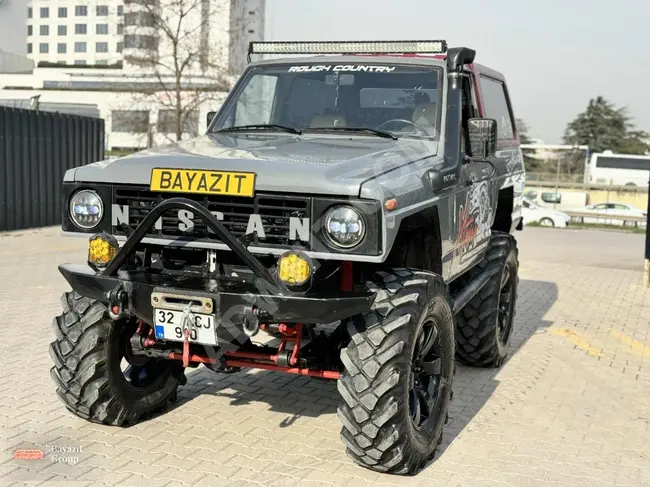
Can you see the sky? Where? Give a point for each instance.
(555, 54)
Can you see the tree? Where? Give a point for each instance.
(522, 130)
(603, 127)
(182, 47)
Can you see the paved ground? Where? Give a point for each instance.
(571, 406)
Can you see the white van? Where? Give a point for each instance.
(619, 169)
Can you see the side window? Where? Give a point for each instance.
(551, 197)
(255, 105)
(496, 107)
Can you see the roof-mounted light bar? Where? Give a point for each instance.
(348, 47)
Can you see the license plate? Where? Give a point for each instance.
(203, 182)
(168, 325)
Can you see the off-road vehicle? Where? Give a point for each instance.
(348, 215)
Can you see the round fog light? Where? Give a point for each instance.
(294, 268)
(101, 249)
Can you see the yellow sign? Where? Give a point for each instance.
(203, 182)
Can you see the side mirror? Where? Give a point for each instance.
(210, 117)
(482, 138)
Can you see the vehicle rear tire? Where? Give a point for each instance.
(547, 222)
(398, 373)
(484, 326)
(87, 354)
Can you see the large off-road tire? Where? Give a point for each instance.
(87, 355)
(384, 425)
(484, 326)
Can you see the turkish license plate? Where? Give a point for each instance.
(203, 182)
(168, 325)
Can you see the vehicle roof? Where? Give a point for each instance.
(352, 58)
(414, 59)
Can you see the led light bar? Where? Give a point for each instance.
(348, 47)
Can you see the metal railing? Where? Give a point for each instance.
(585, 217)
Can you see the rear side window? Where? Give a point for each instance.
(496, 107)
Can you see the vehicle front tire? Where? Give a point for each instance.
(87, 354)
(484, 326)
(398, 373)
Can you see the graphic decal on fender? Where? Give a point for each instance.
(474, 221)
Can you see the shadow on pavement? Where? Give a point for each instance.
(299, 396)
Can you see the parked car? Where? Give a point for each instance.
(613, 214)
(544, 216)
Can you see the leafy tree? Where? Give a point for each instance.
(186, 59)
(604, 127)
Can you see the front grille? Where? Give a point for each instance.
(274, 211)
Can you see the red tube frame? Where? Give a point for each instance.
(254, 360)
(326, 374)
(192, 358)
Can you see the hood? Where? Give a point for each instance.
(319, 164)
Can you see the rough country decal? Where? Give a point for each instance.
(299, 228)
(474, 222)
(342, 67)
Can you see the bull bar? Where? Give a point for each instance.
(265, 299)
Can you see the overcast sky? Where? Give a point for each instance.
(555, 54)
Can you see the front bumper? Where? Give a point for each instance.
(235, 299)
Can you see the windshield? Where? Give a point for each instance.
(402, 100)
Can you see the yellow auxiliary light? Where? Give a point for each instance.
(294, 268)
(101, 249)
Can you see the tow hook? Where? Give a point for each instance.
(117, 303)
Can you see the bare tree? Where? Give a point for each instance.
(183, 47)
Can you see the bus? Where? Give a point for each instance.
(619, 169)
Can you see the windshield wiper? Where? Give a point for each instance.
(261, 126)
(379, 133)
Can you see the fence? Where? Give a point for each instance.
(36, 149)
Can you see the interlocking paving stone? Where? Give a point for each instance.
(571, 407)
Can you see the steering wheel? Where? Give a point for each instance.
(403, 120)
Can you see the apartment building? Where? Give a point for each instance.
(77, 32)
(115, 85)
(105, 32)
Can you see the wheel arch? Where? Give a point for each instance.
(423, 226)
(503, 214)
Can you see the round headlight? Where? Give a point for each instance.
(344, 226)
(86, 209)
